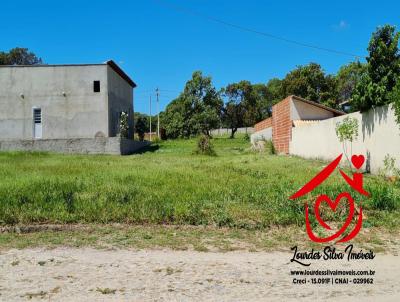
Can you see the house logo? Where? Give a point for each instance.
(356, 182)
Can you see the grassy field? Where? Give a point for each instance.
(169, 184)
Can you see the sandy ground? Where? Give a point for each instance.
(67, 274)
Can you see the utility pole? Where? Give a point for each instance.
(158, 113)
(150, 117)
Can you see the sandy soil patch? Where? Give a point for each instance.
(85, 274)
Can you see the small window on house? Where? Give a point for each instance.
(96, 86)
(37, 115)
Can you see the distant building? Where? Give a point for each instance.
(291, 112)
(61, 107)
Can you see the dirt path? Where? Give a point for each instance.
(67, 274)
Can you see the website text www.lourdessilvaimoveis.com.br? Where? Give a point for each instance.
(328, 276)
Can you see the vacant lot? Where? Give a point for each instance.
(110, 228)
(170, 185)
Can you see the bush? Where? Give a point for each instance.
(204, 146)
(383, 197)
(269, 147)
(123, 125)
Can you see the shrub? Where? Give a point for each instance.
(383, 197)
(347, 132)
(269, 147)
(204, 146)
(123, 125)
(389, 170)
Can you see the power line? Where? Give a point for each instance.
(250, 30)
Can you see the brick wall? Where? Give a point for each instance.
(263, 124)
(282, 126)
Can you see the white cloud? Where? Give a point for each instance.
(342, 25)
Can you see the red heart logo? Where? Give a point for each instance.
(357, 160)
(333, 205)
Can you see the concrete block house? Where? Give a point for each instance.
(291, 112)
(65, 108)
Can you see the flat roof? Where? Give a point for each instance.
(110, 63)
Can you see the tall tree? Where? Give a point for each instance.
(196, 110)
(310, 82)
(19, 56)
(383, 69)
(140, 127)
(347, 79)
(263, 102)
(245, 105)
(275, 91)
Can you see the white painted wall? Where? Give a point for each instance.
(378, 135)
(264, 134)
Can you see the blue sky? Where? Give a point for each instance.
(161, 47)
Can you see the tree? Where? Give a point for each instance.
(394, 98)
(140, 127)
(347, 132)
(238, 108)
(233, 115)
(19, 56)
(146, 119)
(310, 82)
(275, 92)
(123, 125)
(196, 110)
(263, 103)
(383, 69)
(347, 79)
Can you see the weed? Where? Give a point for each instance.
(106, 291)
(205, 146)
(170, 186)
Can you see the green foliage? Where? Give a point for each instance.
(383, 66)
(275, 91)
(146, 121)
(246, 104)
(140, 127)
(123, 125)
(394, 98)
(196, 110)
(347, 130)
(205, 146)
(19, 56)
(269, 147)
(237, 188)
(310, 82)
(347, 79)
(239, 96)
(389, 168)
(383, 197)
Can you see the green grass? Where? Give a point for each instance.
(172, 185)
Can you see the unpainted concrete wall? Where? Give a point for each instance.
(101, 145)
(304, 111)
(379, 135)
(81, 113)
(120, 99)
